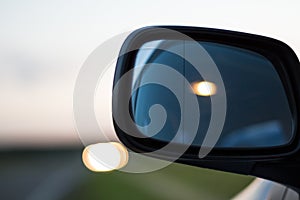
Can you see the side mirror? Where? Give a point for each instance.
(211, 98)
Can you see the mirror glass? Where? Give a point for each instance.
(257, 108)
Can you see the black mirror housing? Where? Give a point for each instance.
(277, 163)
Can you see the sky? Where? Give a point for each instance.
(43, 44)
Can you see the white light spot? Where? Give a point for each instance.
(204, 88)
(103, 157)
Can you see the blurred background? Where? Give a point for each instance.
(42, 47)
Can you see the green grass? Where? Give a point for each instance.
(174, 182)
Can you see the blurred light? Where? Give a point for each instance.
(103, 157)
(204, 88)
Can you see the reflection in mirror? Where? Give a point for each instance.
(258, 112)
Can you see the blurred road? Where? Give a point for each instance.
(60, 175)
(39, 175)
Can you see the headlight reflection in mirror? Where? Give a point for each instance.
(204, 88)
